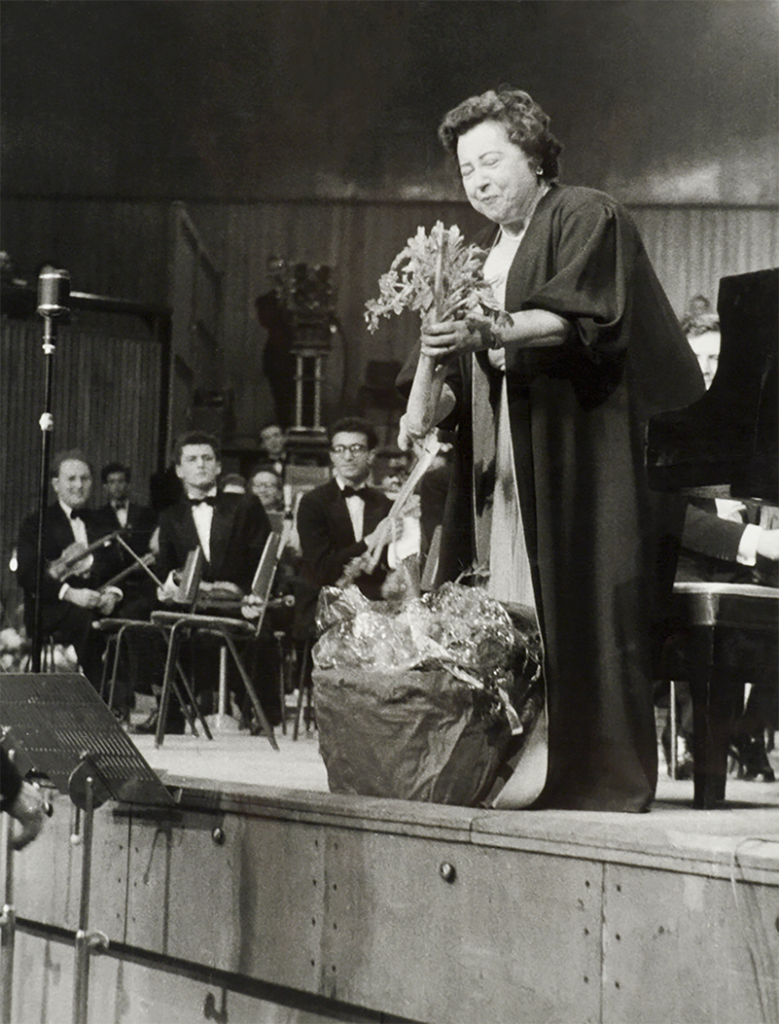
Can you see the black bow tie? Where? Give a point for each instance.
(75, 514)
(210, 500)
(350, 492)
(120, 505)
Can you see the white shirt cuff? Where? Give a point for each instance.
(64, 589)
(747, 548)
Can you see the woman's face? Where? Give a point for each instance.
(500, 180)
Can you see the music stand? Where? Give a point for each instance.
(61, 729)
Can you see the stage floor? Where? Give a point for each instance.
(237, 759)
(262, 891)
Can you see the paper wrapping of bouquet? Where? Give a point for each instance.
(410, 735)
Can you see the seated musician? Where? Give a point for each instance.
(337, 523)
(137, 522)
(231, 530)
(143, 654)
(731, 541)
(71, 591)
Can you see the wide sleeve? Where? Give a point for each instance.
(591, 256)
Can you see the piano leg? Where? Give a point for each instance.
(717, 699)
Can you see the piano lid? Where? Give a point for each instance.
(730, 435)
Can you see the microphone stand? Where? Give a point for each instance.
(53, 292)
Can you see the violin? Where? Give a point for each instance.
(76, 559)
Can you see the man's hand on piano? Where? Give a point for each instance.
(768, 544)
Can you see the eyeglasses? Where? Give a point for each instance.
(353, 449)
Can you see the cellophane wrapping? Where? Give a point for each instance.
(422, 699)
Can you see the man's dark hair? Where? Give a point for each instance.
(195, 437)
(115, 467)
(354, 425)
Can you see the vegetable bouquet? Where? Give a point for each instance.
(437, 275)
(442, 278)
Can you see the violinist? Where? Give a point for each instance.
(76, 566)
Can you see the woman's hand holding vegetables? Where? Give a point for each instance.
(449, 338)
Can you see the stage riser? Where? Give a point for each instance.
(361, 917)
(120, 989)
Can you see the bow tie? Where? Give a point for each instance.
(120, 505)
(75, 514)
(210, 500)
(350, 492)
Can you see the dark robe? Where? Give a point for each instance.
(602, 546)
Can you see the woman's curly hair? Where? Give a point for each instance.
(526, 124)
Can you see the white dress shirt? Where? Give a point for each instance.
(78, 526)
(355, 506)
(203, 515)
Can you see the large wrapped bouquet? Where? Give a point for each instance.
(423, 699)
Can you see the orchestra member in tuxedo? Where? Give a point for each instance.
(730, 541)
(71, 595)
(273, 441)
(143, 653)
(338, 521)
(727, 540)
(121, 513)
(231, 530)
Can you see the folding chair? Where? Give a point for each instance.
(225, 628)
(117, 628)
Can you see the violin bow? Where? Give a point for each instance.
(142, 563)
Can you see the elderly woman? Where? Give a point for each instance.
(550, 410)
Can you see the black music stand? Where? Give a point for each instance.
(61, 729)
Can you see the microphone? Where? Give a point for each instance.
(53, 292)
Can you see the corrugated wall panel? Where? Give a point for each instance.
(358, 239)
(110, 248)
(122, 249)
(106, 401)
(693, 247)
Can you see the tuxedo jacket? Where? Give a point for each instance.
(58, 535)
(239, 530)
(709, 546)
(141, 524)
(327, 544)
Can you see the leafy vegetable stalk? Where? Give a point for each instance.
(442, 278)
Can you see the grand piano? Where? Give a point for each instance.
(725, 445)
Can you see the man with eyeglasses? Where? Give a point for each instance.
(339, 521)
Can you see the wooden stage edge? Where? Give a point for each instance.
(260, 896)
